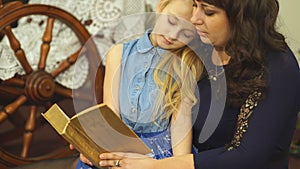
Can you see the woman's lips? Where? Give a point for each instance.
(201, 33)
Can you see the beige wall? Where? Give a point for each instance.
(289, 23)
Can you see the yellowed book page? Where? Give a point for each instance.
(57, 118)
(107, 130)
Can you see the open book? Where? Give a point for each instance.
(95, 130)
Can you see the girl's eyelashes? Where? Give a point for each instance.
(188, 34)
(172, 20)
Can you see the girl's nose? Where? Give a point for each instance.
(174, 34)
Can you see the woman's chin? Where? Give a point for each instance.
(205, 40)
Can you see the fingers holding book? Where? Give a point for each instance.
(119, 160)
(81, 156)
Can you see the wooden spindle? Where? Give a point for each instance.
(64, 65)
(69, 94)
(19, 52)
(11, 90)
(47, 38)
(12, 107)
(14, 82)
(63, 91)
(29, 127)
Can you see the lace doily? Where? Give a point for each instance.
(9, 65)
(98, 16)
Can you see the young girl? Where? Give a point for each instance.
(150, 82)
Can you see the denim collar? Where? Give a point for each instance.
(144, 44)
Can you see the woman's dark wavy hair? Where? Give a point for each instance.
(253, 36)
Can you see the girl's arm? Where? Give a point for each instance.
(181, 129)
(112, 78)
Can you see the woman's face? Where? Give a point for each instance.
(211, 23)
(173, 28)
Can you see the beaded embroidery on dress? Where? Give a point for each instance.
(243, 119)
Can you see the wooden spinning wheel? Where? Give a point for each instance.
(37, 89)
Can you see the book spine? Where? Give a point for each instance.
(83, 144)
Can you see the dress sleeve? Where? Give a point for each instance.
(271, 126)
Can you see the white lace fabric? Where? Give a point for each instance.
(99, 18)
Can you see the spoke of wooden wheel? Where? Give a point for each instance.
(11, 90)
(68, 93)
(64, 65)
(29, 127)
(63, 91)
(19, 52)
(14, 82)
(12, 107)
(47, 38)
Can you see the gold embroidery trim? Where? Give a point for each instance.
(243, 119)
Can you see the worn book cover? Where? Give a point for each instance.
(95, 130)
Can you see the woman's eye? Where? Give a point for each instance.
(209, 12)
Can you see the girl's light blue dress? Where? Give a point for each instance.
(138, 93)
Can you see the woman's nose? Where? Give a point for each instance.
(197, 17)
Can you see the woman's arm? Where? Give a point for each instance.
(127, 162)
(181, 129)
(271, 125)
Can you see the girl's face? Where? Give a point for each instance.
(173, 28)
(211, 23)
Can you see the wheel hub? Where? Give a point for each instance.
(39, 86)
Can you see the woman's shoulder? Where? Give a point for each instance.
(284, 58)
(283, 68)
(283, 62)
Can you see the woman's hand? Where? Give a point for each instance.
(81, 156)
(126, 161)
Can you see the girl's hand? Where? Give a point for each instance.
(81, 156)
(126, 161)
(85, 160)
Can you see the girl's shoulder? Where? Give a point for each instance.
(114, 54)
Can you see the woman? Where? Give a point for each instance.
(263, 94)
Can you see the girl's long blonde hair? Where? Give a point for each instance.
(176, 76)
